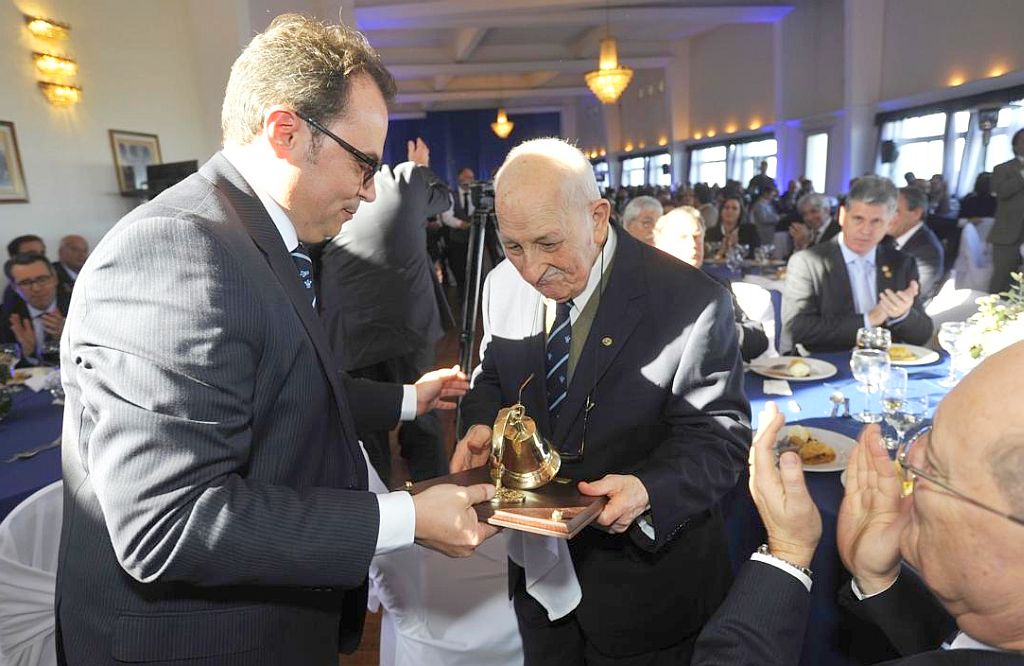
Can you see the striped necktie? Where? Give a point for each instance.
(304, 264)
(556, 360)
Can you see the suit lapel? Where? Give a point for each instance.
(255, 218)
(840, 277)
(619, 311)
(884, 265)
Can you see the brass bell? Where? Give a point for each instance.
(520, 458)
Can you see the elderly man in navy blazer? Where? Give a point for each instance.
(638, 382)
(854, 281)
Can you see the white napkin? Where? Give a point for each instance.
(777, 387)
(40, 379)
(800, 349)
(550, 576)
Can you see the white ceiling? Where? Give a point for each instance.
(459, 54)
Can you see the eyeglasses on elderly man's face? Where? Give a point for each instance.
(369, 165)
(910, 473)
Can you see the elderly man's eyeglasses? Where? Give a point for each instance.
(909, 474)
(29, 283)
(370, 165)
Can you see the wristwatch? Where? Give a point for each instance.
(763, 550)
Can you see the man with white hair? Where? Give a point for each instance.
(640, 216)
(637, 381)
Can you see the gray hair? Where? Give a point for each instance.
(813, 201)
(874, 190)
(572, 166)
(676, 216)
(915, 197)
(637, 206)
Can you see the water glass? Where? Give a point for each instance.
(10, 356)
(950, 333)
(870, 368)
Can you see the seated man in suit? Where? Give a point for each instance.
(815, 224)
(640, 216)
(941, 577)
(853, 281)
(913, 237)
(71, 255)
(638, 383)
(36, 319)
(27, 244)
(680, 232)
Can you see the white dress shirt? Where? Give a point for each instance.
(903, 238)
(397, 527)
(33, 356)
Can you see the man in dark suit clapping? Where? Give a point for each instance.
(854, 281)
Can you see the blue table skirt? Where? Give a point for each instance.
(34, 420)
(834, 636)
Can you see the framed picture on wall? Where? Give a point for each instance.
(12, 176)
(133, 152)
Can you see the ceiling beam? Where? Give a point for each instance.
(441, 81)
(460, 14)
(584, 43)
(466, 42)
(416, 71)
(466, 95)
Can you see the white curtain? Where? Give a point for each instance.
(971, 163)
(734, 163)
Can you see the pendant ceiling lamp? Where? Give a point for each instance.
(608, 81)
(502, 126)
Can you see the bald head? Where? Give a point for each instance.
(551, 217)
(73, 251)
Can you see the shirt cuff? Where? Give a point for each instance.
(785, 566)
(867, 322)
(397, 527)
(646, 526)
(861, 596)
(408, 402)
(897, 320)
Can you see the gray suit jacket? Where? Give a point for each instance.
(926, 249)
(1008, 186)
(662, 366)
(817, 304)
(378, 295)
(215, 496)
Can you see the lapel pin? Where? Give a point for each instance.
(887, 272)
(606, 341)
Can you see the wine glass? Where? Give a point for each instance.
(10, 356)
(870, 368)
(912, 410)
(894, 392)
(949, 339)
(874, 338)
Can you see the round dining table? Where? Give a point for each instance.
(834, 636)
(34, 421)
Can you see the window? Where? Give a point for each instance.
(816, 160)
(633, 172)
(707, 165)
(750, 155)
(660, 170)
(999, 150)
(601, 173)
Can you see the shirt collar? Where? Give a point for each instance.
(849, 256)
(607, 252)
(820, 231)
(965, 642)
(902, 240)
(35, 313)
(71, 273)
(284, 226)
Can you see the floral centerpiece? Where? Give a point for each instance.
(998, 323)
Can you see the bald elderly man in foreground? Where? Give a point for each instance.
(638, 383)
(939, 571)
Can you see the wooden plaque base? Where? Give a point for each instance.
(556, 509)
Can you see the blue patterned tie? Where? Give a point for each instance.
(304, 264)
(556, 360)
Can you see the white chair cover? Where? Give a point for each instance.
(973, 265)
(952, 304)
(440, 611)
(756, 302)
(29, 541)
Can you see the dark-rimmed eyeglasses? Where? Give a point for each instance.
(910, 473)
(370, 165)
(29, 283)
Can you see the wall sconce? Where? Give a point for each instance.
(54, 65)
(45, 28)
(711, 133)
(663, 141)
(698, 136)
(628, 147)
(60, 94)
(755, 124)
(603, 152)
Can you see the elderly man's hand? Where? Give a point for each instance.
(472, 450)
(627, 499)
(790, 517)
(433, 388)
(872, 516)
(446, 520)
(418, 152)
(801, 235)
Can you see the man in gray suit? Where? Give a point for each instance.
(912, 236)
(215, 506)
(1008, 231)
(854, 280)
(382, 305)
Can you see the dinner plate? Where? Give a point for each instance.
(922, 355)
(22, 374)
(775, 368)
(842, 444)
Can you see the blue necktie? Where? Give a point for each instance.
(556, 360)
(305, 267)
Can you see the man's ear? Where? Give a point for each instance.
(842, 215)
(600, 215)
(282, 128)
